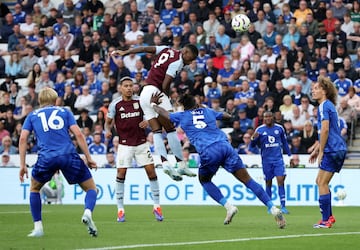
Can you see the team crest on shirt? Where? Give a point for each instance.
(136, 105)
(271, 139)
(276, 132)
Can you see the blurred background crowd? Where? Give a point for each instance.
(65, 45)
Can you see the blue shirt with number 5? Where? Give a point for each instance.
(200, 126)
(51, 125)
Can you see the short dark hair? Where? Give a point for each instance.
(188, 101)
(193, 49)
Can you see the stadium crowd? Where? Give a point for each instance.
(272, 66)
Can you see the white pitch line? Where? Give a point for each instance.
(220, 241)
(15, 212)
(21, 212)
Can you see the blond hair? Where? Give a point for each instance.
(305, 135)
(47, 96)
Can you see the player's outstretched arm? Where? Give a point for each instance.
(142, 49)
(83, 146)
(22, 151)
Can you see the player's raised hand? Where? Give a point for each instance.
(23, 172)
(155, 98)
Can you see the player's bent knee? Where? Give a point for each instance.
(205, 178)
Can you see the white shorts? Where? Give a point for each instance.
(145, 97)
(126, 154)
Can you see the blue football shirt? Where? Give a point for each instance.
(335, 142)
(200, 126)
(51, 125)
(272, 141)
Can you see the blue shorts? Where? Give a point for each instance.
(333, 161)
(71, 165)
(272, 169)
(219, 154)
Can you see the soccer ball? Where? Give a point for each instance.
(341, 194)
(240, 23)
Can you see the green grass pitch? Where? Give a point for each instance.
(184, 227)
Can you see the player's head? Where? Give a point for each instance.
(126, 86)
(268, 118)
(47, 96)
(188, 101)
(189, 53)
(324, 89)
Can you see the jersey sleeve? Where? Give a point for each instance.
(324, 112)
(174, 67)
(71, 118)
(111, 110)
(160, 48)
(175, 117)
(218, 115)
(27, 123)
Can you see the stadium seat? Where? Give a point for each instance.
(81, 69)
(22, 82)
(227, 130)
(6, 58)
(75, 58)
(4, 46)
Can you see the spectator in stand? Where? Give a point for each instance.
(348, 113)
(226, 94)
(329, 22)
(296, 147)
(44, 82)
(7, 28)
(110, 161)
(27, 28)
(85, 52)
(287, 107)
(69, 98)
(261, 24)
(296, 97)
(279, 94)
(5, 161)
(101, 96)
(309, 136)
(339, 9)
(301, 13)
(236, 136)
(245, 123)
(232, 111)
(298, 119)
(85, 100)
(246, 148)
(7, 147)
(18, 14)
(342, 83)
(13, 68)
(225, 74)
(353, 99)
